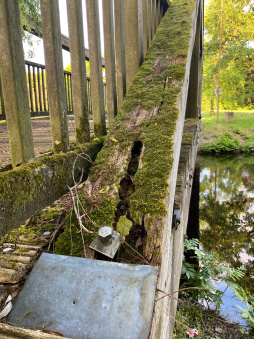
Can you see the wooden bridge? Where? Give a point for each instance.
(153, 64)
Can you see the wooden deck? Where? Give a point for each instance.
(41, 135)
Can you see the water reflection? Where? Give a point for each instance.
(227, 211)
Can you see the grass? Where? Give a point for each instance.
(242, 127)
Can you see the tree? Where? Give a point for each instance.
(30, 17)
(237, 52)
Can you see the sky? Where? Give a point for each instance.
(38, 50)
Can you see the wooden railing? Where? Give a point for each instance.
(129, 26)
(37, 91)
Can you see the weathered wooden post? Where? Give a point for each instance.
(158, 8)
(54, 74)
(149, 13)
(145, 27)
(108, 25)
(153, 17)
(78, 69)
(194, 94)
(120, 51)
(133, 23)
(96, 67)
(13, 74)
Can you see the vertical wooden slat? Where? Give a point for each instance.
(158, 5)
(35, 89)
(153, 6)
(96, 67)
(109, 50)
(2, 99)
(12, 69)
(78, 71)
(150, 21)
(55, 74)
(39, 87)
(44, 91)
(30, 89)
(145, 27)
(120, 51)
(133, 25)
(193, 101)
(161, 14)
(89, 96)
(69, 92)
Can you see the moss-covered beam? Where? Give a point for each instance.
(28, 188)
(152, 113)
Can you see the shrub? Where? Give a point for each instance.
(226, 143)
(248, 146)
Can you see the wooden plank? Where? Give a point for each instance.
(54, 67)
(7, 275)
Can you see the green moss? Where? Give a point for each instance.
(70, 241)
(24, 182)
(155, 255)
(99, 129)
(22, 250)
(44, 221)
(83, 130)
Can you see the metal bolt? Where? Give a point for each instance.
(105, 235)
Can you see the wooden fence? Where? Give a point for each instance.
(129, 27)
(37, 92)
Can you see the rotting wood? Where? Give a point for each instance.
(152, 112)
(12, 332)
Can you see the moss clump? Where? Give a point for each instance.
(24, 182)
(70, 241)
(40, 223)
(30, 187)
(82, 132)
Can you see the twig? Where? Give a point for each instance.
(183, 289)
(179, 322)
(75, 207)
(76, 191)
(71, 233)
(58, 226)
(137, 253)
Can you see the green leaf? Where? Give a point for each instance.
(123, 226)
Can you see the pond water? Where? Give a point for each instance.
(227, 219)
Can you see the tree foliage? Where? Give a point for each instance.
(30, 17)
(237, 53)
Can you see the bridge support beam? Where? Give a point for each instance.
(120, 51)
(108, 25)
(13, 77)
(97, 92)
(54, 74)
(78, 69)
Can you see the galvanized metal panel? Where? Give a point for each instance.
(84, 298)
